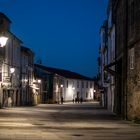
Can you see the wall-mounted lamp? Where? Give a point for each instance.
(12, 70)
(3, 41)
(39, 81)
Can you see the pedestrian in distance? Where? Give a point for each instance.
(73, 100)
(61, 100)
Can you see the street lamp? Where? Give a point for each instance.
(12, 70)
(3, 41)
(39, 81)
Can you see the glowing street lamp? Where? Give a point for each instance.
(3, 41)
(61, 85)
(39, 81)
(12, 70)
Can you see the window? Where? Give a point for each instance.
(87, 85)
(131, 57)
(86, 94)
(67, 83)
(82, 84)
(90, 85)
(132, 18)
(77, 84)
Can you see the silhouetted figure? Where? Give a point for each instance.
(61, 100)
(78, 99)
(73, 100)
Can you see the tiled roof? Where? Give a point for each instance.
(63, 73)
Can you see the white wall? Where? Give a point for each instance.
(73, 90)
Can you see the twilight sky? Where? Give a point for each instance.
(62, 33)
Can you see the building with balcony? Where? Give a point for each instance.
(9, 65)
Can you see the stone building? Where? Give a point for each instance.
(126, 17)
(103, 52)
(27, 75)
(10, 65)
(133, 59)
(64, 84)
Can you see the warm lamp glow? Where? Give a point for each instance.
(39, 81)
(3, 41)
(12, 70)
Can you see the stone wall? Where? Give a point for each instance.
(133, 92)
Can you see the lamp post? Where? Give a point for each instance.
(61, 90)
(39, 82)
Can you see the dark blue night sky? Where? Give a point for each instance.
(63, 33)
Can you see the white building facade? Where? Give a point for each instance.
(68, 85)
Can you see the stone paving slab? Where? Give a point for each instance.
(65, 122)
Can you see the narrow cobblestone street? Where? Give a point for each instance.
(87, 121)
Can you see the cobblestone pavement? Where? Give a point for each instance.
(86, 121)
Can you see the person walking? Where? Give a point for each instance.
(61, 100)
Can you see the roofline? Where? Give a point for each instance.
(26, 48)
(1, 13)
(82, 77)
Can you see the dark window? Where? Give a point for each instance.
(90, 85)
(86, 94)
(87, 85)
(82, 84)
(67, 83)
(132, 16)
(1, 21)
(77, 84)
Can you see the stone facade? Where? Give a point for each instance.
(127, 23)
(126, 65)
(133, 74)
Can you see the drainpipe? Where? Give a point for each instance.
(126, 62)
